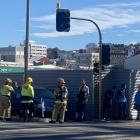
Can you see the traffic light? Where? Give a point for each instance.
(96, 67)
(63, 20)
(105, 54)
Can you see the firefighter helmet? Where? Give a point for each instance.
(8, 80)
(29, 80)
(61, 80)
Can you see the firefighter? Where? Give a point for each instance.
(60, 104)
(27, 97)
(5, 103)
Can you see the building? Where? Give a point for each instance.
(16, 53)
(12, 54)
(92, 48)
(65, 55)
(44, 61)
(131, 51)
(36, 50)
(86, 59)
(118, 54)
(137, 49)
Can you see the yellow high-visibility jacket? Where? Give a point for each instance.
(27, 93)
(6, 90)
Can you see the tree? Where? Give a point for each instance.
(52, 53)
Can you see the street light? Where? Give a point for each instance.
(100, 62)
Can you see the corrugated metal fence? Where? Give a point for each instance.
(48, 79)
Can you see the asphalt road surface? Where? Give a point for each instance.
(70, 131)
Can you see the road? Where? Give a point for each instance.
(70, 131)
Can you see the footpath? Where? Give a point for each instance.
(40, 129)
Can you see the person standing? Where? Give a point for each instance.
(114, 110)
(27, 98)
(137, 102)
(122, 100)
(5, 102)
(109, 103)
(108, 97)
(60, 103)
(82, 99)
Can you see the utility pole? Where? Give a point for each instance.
(58, 5)
(26, 48)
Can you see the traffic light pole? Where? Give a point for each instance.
(100, 62)
(26, 48)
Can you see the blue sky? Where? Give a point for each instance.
(119, 22)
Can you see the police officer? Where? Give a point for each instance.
(60, 104)
(82, 99)
(5, 103)
(27, 97)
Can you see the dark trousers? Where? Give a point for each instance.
(115, 110)
(28, 107)
(80, 111)
(107, 111)
(122, 110)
